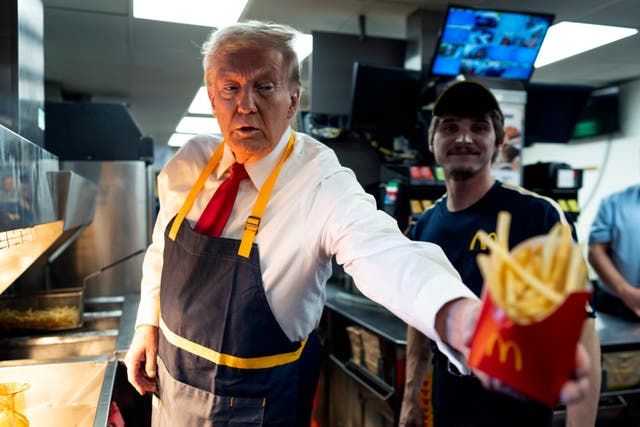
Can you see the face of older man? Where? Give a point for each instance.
(253, 100)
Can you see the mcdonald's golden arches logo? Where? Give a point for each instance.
(483, 245)
(503, 350)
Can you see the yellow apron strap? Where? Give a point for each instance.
(227, 359)
(253, 222)
(191, 197)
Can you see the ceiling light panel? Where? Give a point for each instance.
(208, 13)
(567, 39)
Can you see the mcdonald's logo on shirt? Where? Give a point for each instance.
(503, 350)
(483, 246)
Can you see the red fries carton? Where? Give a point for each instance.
(535, 359)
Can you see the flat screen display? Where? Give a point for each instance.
(489, 43)
(384, 99)
(601, 114)
(552, 111)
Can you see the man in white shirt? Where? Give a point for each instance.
(231, 317)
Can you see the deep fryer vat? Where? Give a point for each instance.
(52, 310)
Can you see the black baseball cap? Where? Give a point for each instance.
(465, 98)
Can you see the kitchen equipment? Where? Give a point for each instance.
(25, 262)
(48, 310)
(42, 311)
(64, 393)
(121, 226)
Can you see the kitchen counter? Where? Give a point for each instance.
(127, 324)
(345, 308)
(615, 333)
(367, 313)
(73, 373)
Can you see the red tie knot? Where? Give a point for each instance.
(238, 172)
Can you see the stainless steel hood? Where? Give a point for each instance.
(41, 208)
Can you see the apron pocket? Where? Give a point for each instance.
(237, 411)
(180, 404)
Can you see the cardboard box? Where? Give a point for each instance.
(365, 348)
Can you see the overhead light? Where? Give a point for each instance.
(198, 125)
(567, 39)
(209, 13)
(179, 139)
(200, 103)
(303, 45)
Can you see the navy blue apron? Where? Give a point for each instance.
(223, 358)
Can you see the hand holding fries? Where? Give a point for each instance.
(532, 313)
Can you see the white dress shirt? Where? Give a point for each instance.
(317, 210)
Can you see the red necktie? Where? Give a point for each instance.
(216, 214)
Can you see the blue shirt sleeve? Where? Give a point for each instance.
(600, 231)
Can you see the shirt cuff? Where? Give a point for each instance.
(148, 312)
(441, 290)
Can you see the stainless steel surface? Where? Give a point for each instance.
(75, 198)
(27, 215)
(83, 394)
(96, 337)
(20, 248)
(25, 196)
(106, 391)
(127, 324)
(94, 343)
(119, 228)
(41, 208)
(617, 333)
(74, 202)
(64, 393)
(614, 332)
(42, 311)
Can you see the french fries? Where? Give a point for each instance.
(533, 279)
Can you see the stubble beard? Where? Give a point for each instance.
(461, 174)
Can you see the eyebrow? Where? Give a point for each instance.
(268, 73)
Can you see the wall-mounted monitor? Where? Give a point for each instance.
(552, 111)
(601, 114)
(489, 43)
(332, 65)
(384, 99)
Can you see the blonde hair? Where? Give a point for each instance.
(260, 34)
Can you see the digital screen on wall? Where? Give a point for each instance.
(601, 114)
(489, 43)
(384, 99)
(552, 111)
